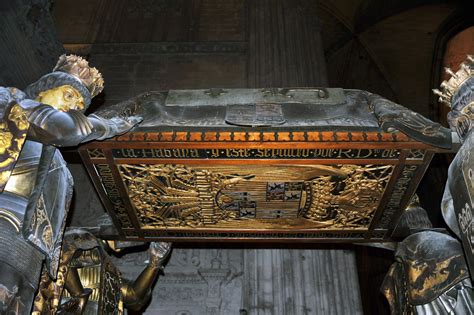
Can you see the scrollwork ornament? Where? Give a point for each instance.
(341, 196)
(394, 117)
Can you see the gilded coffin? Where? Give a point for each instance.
(275, 164)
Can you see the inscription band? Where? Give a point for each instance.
(113, 193)
(249, 153)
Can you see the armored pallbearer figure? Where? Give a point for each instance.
(433, 272)
(458, 199)
(35, 185)
(89, 283)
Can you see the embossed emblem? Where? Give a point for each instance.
(255, 115)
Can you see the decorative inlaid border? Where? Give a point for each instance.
(255, 235)
(263, 136)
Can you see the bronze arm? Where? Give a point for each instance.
(79, 295)
(51, 126)
(136, 294)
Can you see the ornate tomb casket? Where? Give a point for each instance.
(273, 164)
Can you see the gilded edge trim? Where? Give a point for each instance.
(263, 136)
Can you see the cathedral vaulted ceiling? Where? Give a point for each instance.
(386, 47)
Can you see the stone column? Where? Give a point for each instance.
(286, 281)
(285, 47)
(285, 50)
(214, 278)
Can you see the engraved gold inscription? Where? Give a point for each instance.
(112, 191)
(256, 153)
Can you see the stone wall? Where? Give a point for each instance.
(155, 45)
(134, 68)
(251, 281)
(29, 47)
(195, 281)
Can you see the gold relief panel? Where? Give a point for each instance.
(255, 196)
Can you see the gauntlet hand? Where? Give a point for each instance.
(158, 252)
(121, 125)
(117, 125)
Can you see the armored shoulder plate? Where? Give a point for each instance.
(13, 127)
